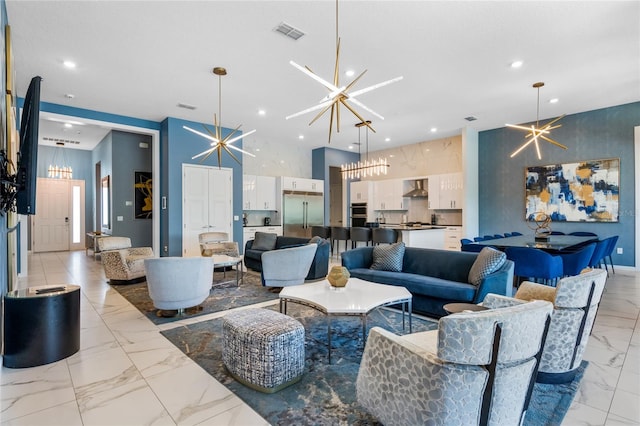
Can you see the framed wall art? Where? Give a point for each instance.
(143, 201)
(586, 191)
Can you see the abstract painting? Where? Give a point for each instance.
(143, 195)
(586, 191)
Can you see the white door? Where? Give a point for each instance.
(207, 204)
(59, 221)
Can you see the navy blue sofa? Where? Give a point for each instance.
(434, 277)
(319, 268)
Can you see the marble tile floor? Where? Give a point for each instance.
(126, 373)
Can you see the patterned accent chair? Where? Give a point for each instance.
(121, 262)
(177, 283)
(575, 301)
(477, 368)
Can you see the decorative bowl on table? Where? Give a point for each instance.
(338, 276)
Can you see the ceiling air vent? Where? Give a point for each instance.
(186, 106)
(471, 118)
(289, 31)
(60, 141)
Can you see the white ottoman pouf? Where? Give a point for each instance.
(263, 349)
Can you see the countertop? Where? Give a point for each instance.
(261, 226)
(411, 228)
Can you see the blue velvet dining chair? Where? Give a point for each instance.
(535, 265)
(598, 254)
(508, 234)
(476, 239)
(464, 241)
(611, 246)
(474, 248)
(574, 262)
(515, 234)
(557, 233)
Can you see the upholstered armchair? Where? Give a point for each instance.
(287, 266)
(575, 303)
(452, 376)
(177, 283)
(121, 262)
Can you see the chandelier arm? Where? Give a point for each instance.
(343, 102)
(211, 138)
(336, 68)
(524, 145)
(208, 151)
(331, 122)
(375, 86)
(237, 138)
(231, 153)
(330, 105)
(555, 120)
(314, 76)
(238, 149)
(313, 108)
(225, 140)
(340, 98)
(219, 153)
(366, 108)
(354, 82)
(558, 144)
(535, 141)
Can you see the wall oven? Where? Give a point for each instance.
(358, 214)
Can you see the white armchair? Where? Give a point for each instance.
(575, 301)
(287, 266)
(477, 368)
(177, 283)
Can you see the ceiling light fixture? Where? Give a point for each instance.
(339, 95)
(367, 167)
(69, 64)
(218, 143)
(516, 64)
(59, 172)
(537, 131)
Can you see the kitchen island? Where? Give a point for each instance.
(423, 236)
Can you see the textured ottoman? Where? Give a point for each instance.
(263, 349)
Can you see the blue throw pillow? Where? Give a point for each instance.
(488, 261)
(388, 257)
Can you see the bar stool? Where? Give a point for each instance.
(359, 234)
(321, 231)
(339, 233)
(384, 235)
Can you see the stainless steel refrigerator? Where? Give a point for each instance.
(301, 211)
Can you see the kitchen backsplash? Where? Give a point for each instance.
(419, 212)
(256, 218)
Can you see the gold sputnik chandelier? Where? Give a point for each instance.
(537, 131)
(339, 95)
(218, 143)
(367, 167)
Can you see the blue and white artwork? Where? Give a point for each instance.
(586, 191)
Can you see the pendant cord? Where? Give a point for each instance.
(538, 110)
(337, 37)
(220, 102)
(367, 138)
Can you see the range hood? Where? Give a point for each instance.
(418, 190)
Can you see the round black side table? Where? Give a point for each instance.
(42, 325)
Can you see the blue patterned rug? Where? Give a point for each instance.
(326, 393)
(224, 295)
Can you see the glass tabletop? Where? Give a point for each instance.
(555, 242)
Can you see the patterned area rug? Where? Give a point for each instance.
(224, 295)
(326, 393)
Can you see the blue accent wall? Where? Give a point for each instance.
(177, 147)
(599, 134)
(321, 160)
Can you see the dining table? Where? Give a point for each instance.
(554, 243)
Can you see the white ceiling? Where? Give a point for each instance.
(142, 58)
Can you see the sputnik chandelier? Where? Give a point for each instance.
(537, 131)
(218, 143)
(339, 95)
(60, 172)
(367, 167)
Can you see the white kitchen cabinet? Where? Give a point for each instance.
(361, 191)
(452, 237)
(258, 192)
(249, 232)
(446, 191)
(387, 195)
(302, 184)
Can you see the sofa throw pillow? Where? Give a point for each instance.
(264, 241)
(388, 257)
(488, 261)
(316, 239)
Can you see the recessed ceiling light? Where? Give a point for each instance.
(350, 73)
(387, 139)
(261, 112)
(301, 137)
(434, 129)
(69, 64)
(391, 156)
(350, 146)
(516, 64)
(68, 125)
(554, 101)
(257, 149)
